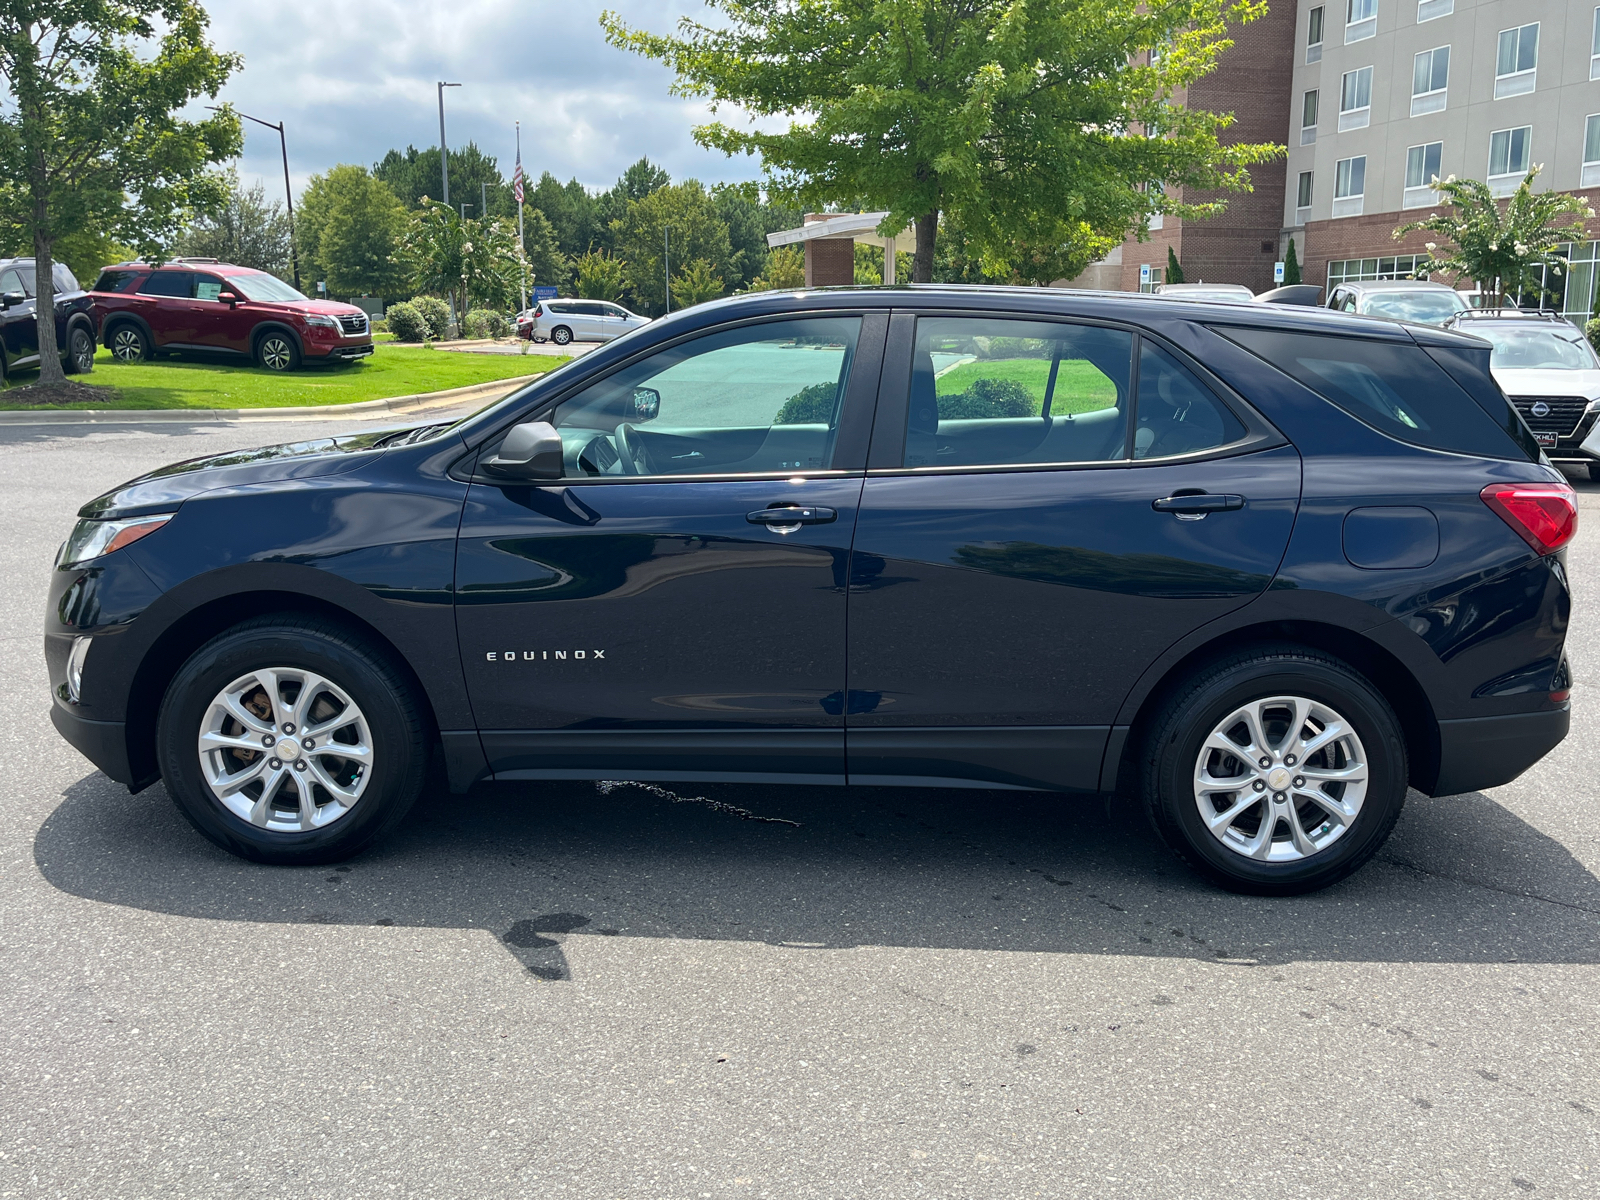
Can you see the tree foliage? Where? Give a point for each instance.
(93, 140)
(1497, 247)
(1174, 267)
(1291, 265)
(695, 284)
(246, 229)
(350, 230)
(785, 269)
(467, 260)
(414, 176)
(601, 276)
(684, 211)
(1038, 127)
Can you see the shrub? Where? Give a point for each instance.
(406, 323)
(435, 312)
(1592, 331)
(988, 398)
(380, 326)
(812, 405)
(485, 323)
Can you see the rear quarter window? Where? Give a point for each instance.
(1393, 387)
(117, 281)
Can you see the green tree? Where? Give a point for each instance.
(686, 212)
(1291, 265)
(413, 175)
(463, 259)
(785, 269)
(547, 266)
(246, 229)
(695, 284)
(97, 86)
(350, 231)
(1036, 126)
(1498, 247)
(1174, 267)
(571, 210)
(601, 277)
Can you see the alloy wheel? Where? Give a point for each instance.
(127, 345)
(1280, 779)
(285, 749)
(82, 351)
(276, 354)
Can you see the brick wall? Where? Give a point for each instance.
(830, 262)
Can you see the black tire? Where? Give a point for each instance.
(1171, 753)
(128, 343)
(1594, 471)
(277, 351)
(79, 351)
(561, 335)
(400, 736)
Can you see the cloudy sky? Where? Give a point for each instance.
(353, 79)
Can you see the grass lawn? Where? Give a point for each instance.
(1080, 385)
(196, 383)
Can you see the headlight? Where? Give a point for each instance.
(323, 320)
(91, 539)
(1594, 405)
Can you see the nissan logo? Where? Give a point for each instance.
(1540, 409)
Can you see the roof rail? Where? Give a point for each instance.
(1510, 310)
(193, 259)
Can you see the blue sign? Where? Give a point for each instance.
(1277, 272)
(1144, 274)
(546, 293)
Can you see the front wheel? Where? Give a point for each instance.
(561, 335)
(277, 352)
(289, 740)
(1275, 772)
(80, 351)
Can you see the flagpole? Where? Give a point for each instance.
(522, 256)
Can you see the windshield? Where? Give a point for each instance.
(262, 286)
(1433, 308)
(1538, 349)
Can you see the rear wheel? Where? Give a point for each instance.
(277, 352)
(1275, 772)
(80, 351)
(129, 344)
(561, 335)
(288, 740)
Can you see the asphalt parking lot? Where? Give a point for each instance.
(548, 990)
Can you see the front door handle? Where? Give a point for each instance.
(1199, 503)
(799, 514)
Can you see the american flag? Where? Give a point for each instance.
(516, 179)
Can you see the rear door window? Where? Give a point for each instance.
(168, 283)
(1177, 414)
(1393, 387)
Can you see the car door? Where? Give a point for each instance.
(219, 325)
(1051, 505)
(18, 325)
(164, 301)
(675, 606)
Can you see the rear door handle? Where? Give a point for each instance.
(1197, 504)
(807, 514)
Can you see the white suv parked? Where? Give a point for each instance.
(563, 321)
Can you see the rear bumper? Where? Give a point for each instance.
(1484, 752)
(104, 743)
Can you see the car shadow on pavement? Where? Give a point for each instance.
(1462, 880)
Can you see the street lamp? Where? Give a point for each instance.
(288, 195)
(444, 154)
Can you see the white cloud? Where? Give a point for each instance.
(351, 80)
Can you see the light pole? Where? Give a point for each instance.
(666, 263)
(444, 153)
(288, 195)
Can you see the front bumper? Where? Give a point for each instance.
(329, 353)
(1485, 752)
(104, 743)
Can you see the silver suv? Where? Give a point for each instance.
(563, 321)
(1399, 299)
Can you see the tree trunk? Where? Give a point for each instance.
(927, 233)
(50, 370)
(34, 133)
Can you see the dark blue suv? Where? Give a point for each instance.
(1258, 569)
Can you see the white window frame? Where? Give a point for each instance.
(1361, 116)
(1421, 195)
(1308, 133)
(1591, 167)
(1434, 99)
(1361, 28)
(1428, 10)
(1302, 212)
(1507, 182)
(1351, 204)
(1594, 48)
(1517, 83)
(1314, 49)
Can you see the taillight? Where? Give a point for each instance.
(1545, 515)
(538, 310)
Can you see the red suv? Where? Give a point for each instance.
(201, 304)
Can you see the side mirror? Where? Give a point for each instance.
(12, 299)
(646, 404)
(531, 450)
(228, 297)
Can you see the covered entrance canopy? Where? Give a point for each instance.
(830, 245)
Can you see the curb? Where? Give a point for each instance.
(316, 412)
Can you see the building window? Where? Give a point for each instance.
(1308, 118)
(1509, 151)
(1594, 48)
(1430, 80)
(1422, 171)
(1314, 35)
(1517, 61)
(1427, 10)
(1155, 280)
(1349, 186)
(1591, 152)
(1302, 203)
(1352, 270)
(1360, 20)
(1355, 99)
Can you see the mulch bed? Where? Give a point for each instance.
(58, 393)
